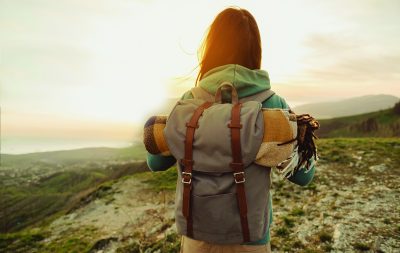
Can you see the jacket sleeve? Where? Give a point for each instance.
(304, 175)
(159, 162)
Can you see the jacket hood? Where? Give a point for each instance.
(246, 81)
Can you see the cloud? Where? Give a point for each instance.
(379, 69)
(40, 64)
(340, 66)
(339, 58)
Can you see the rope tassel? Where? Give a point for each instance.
(307, 148)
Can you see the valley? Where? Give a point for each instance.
(351, 206)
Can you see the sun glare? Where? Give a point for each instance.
(119, 61)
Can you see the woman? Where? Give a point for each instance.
(232, 51)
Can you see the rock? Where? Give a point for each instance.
(378, 168)
(101, 244)
(377, 245)
(338, 240)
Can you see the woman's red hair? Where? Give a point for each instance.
(232, 38)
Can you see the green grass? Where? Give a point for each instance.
(289, 221)
(34, 240)
(161, 180)
(20, 242)
(282, 232)
(325, 236)
(169, 244)
(375, 150)
(297, 212)
(72, 244)
(25, 205)
(361, 246)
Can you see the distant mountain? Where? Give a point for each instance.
(73, 156)
(384, 123)
(348, 107)
(324, 110)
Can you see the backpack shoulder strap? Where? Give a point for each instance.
(200, 93)
(259, 97)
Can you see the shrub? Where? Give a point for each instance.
(361, 246)
(282, 232)
(289, 222)
(396, 108)
(325, 236)
(298, 212)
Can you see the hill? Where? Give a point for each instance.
(349, 207)
(75, 155)
(39, 186)
(325, 110)
(348, 107)
(384, 123)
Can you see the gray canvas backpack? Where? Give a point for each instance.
(222, 196)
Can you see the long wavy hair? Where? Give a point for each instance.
(232, 38)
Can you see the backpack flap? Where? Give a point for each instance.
(212, 139)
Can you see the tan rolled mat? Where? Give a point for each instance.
(280, 126)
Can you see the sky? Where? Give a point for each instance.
(94, 70)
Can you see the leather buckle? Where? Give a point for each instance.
(186, 177)
(189, 125)
(239, 177)
(230, 125)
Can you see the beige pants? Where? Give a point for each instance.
(189, 245)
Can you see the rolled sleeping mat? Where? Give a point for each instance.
(153, 136)
(278, 144)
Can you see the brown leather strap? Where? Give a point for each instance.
(188, 162)
(234, 94)
(238, 169)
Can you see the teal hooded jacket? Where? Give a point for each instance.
(247, 82)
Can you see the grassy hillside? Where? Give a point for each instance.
(24, 205)
(39, 186)
(385, 123)
(351, 206)
(348, 107)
